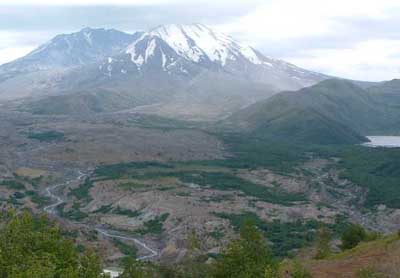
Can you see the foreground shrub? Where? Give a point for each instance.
(368, 272)
(300, 272)
(33, 248)
(352, 236)
(323, 241)
(248, 256)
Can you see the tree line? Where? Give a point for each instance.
(33, 247)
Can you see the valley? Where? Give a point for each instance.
(161, 145)
(150, 181)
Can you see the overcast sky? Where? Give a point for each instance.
(358, 39)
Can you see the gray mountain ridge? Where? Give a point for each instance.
(171, 68)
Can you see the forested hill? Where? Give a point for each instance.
(334, 111)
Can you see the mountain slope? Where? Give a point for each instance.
(42, 70)
(190, 49)
(378, 258)
(168, 69)
(76, 49)
(387, 92)
(387, 97)
(84, 103)
(331, 112)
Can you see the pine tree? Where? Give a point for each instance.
(32, 247)
(136, 269)
(323, 241)
(352, 236)
(90, 266)
(246, 257)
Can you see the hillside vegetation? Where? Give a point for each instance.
(331, 112)
(32, 247)
(379, 258)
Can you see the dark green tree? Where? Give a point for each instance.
(31, 247)
(246, 257)
(300, 272)
(323, 243)
(137, 269)
(193, 265)
(90, 265)
(352, 236)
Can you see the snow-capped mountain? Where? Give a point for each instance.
(178, 67)
(68, 50)
(197, 43)
(190, 49)
(41, 70)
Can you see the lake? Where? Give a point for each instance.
(383, 141)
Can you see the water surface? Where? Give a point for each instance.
(383, 141)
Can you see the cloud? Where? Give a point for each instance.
(129, 18)
(15, 44)
(282, 19)
(86, 2)
(311, 33)
(9, 54)
(368, 60)
(64, 3)
(335, 37)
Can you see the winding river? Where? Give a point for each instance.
(51, 209)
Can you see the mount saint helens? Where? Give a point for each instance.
(185, 71)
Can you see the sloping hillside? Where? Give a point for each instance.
(331, 112)
(387, 94)
(380, 258)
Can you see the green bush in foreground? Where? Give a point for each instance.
(32, 248)
(352, 236)
(248, 256)
(323, 241)
(368, 272)
(300, 272)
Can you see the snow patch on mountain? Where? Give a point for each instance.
(136, 57)
(150, 49)
(196, 43)
(88, 36)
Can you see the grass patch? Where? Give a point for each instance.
(132, 185)
(217, 235)
(12, 184)
(378, 169)
(127, 212)
(82, 192)
(19, 195)
(125, 249)
(365, 247)
(211, 176)
(74, 213)
(104, 209)
(224, 181)
(40, 201)
(117, 171)
(154, 226)
(285, 236)
(217, 198)
(161, 123)
(47, 136)
(252, 152)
